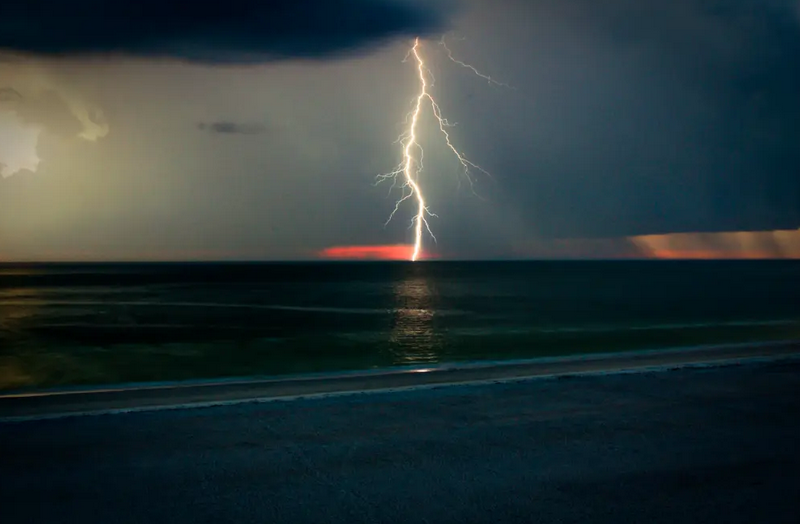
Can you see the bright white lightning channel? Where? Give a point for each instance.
(406, 175)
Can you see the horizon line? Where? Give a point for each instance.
(385, 261)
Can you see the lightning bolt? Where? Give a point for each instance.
(407, 174)
(470, 67)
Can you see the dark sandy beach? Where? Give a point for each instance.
(712, 444)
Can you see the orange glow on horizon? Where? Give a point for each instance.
(721, 245)
(707, 255)
(769, 244)
(379, 252)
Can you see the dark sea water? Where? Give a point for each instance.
(96, 324)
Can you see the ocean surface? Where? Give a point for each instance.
(65, 324)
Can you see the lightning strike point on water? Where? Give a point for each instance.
(407, 174)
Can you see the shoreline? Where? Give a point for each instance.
(23, 406)
(708, 444)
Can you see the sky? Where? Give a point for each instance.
(144, 130)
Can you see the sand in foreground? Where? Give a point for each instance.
(691, 445)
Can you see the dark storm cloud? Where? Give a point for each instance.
(657, 117)
(212, 30)
(232, 128)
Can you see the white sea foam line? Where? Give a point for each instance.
(222, 305)
(466, 331)
(380, 311)
(400, 389)
(148, 303)
(653, 327)
(402, 370)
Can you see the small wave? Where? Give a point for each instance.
(222, 305)
(132, 325)
(666, 327)
(324, 309)
(488, 331)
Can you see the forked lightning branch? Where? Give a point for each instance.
(407, 175)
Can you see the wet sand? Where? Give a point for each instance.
(691, 445)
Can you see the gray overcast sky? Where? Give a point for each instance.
(625, 117)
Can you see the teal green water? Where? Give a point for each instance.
(99, 324)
